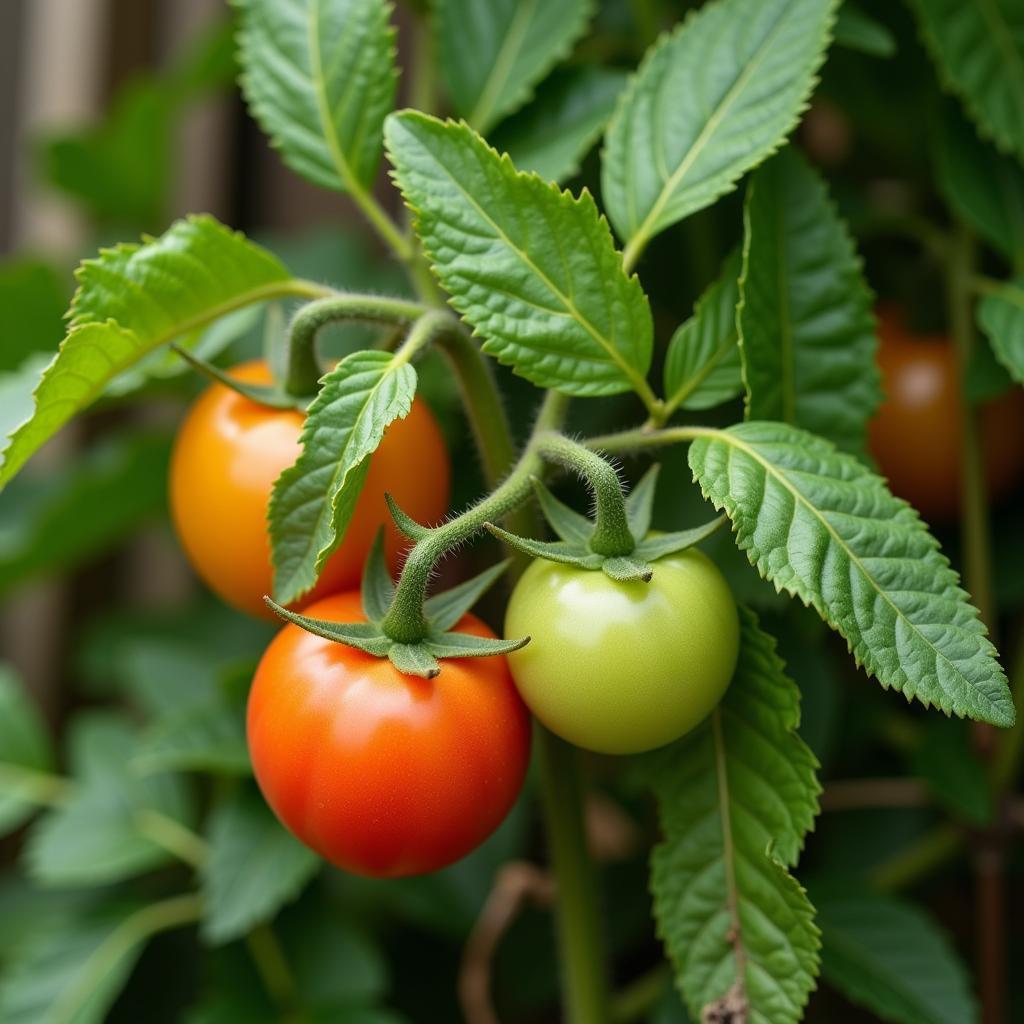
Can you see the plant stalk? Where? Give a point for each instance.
(579, 926)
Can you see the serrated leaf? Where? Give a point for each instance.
(736, 798)
(533, 270)
(567, 523)
(443, 610)
(313, 500)
(254, 867)
(72, 970)
(97, 836)
(807, 335)
(710, 100)
(551, 136)
(891, 958)
(982, 185)
(702, 366)
(25, 750)
(979, 51)
(1000, 315)
(822, 527)
(857, 31)
(131, 300)
(492, 54)
(319, 77)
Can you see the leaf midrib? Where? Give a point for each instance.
(635, 379)
(771, 470)
(502, 67)
(710, 127)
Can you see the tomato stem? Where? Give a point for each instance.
(611, 535)
(580, 931)
(303, 368)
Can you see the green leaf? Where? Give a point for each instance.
(492, 54)
(978, 49)
(1000, 315)
(377, 586)
(364, 636)
(25, 751)
(134, 298)
(551, 136)
(255, 867)
(564, 552)
(72, 970)
(660, 545)
(857, 31)
(736, 798)
(99, 835)
(710, 100)
(806, 329)
(981, 185)
(53, 524)
(319, 77)
(444, 610)
(314, 499)
(465, 645)
(640, 503)
(702, 366)
(32, 302)
(572, 527)
(891, 958)
(947, 763)
(822, 527)
(533, 270)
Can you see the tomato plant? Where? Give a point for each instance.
(746, 747)
(623, 667)
(228, 453)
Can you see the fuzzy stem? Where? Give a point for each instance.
(611, 535)
(303, 368)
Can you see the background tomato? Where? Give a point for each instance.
(229, 452)
(623, 667)
(916, 436)
(385, 774)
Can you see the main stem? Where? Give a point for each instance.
(580, 930)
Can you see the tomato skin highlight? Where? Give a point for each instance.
(383, 774)
(227, 455)
(620, 668)
(917, 435)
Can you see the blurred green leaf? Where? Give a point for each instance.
(552, 135)
(100, 834)
(255, 867)
(16, 395)
(33, 297)
(1000, 315)
(54, 523)
(857, 31)
(25, 750)
(947, 763)
(890, 957)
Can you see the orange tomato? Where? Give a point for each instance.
(384, 774)
(228, 453)
(916, 437)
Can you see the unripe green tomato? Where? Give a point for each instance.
(620, 668)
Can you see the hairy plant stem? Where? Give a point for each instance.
(303, 367)
(611, 535)
(404, 621)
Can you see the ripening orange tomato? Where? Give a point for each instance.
(916, 437)
(230, 450)
(381, 773)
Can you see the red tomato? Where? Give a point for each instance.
(916, 436)
(385, 774)
(227, 456)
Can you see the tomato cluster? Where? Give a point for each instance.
(387, 774)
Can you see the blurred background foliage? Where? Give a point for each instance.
(122, 694)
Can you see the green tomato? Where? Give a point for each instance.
(623, 667)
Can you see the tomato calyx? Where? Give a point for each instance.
(576, 533)
(441, 611)
(273, 396)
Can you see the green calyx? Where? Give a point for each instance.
(441, 612)
(273, 396)
(576, 533)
